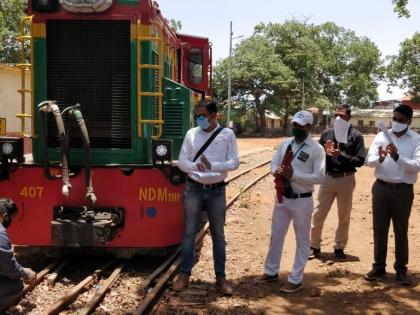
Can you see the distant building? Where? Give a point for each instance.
(272, 120)
(366, 120)
(407, 101)
(9, 97)
(387, 104)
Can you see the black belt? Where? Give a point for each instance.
(393, 185)
(338, 175)
(295, 196)
(207, 186)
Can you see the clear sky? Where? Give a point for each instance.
(374, 19)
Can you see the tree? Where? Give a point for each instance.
(404, 69)
(294, 43)
(11, 11)
(257, 73)
(363, 69)
(400, 7)
(175, 25)
(289, 66)
(332, 61)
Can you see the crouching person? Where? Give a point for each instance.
(305, 167)
(11, 272)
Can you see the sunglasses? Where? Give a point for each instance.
(201, 117)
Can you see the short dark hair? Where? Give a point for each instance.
(7, 206)
(406, 110)
(346, 107)
(209, 105)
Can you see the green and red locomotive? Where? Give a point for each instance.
(111, 91)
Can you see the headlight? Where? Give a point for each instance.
(45, 5)
(6, 148)
(11, 148)
(161, 151)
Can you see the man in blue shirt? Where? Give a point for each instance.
(11, 272)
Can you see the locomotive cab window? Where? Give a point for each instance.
(195, 66)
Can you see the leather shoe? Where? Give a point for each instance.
(264, 278)
(224, 286)
(374, 274)
(339, 254)
(315, 253)
(180, 282)
(403, 279)
(291, 287)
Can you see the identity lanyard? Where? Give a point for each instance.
(297, 151)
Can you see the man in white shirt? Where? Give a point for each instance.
(205, 189)
(306, 169)
(396, 158)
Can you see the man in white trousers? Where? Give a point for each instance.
(306, 169)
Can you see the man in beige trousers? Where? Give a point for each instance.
(345, 150)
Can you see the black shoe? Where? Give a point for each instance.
(315, 253)
(374, 274)
(224, 286)
(403, 279)
(339, 254)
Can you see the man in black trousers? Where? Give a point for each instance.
(396, 158)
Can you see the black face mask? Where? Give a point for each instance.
(299, 133)
(6, 223)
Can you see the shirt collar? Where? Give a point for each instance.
(211, 132)
(307, 141)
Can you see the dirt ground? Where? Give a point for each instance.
(330, 287)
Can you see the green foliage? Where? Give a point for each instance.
(404, 69)
(257, 73)
(400, 7)
(284, 67)
(175, 25)
(11, 11)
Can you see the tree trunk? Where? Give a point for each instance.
(286, 113)
(261, 114)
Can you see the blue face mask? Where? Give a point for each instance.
(203, 122)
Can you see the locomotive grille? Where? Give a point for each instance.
(174, 120)
(88, 62)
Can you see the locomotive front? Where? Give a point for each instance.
(110, 98)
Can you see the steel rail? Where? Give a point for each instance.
(52, 277)
(39, 277)
(147, 303)
(248, 170)
(169, 267)
(96, 299)
(74, 292)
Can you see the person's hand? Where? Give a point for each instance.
(30, 276)
(206, 162)
(392, 151)
(277, 172)
(382, 154)
(331, 149)
(285, 171)
(200, 167)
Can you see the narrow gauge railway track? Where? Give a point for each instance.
(153, 296)
(152, 285)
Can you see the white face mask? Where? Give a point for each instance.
(398, 127)
(341, 128)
